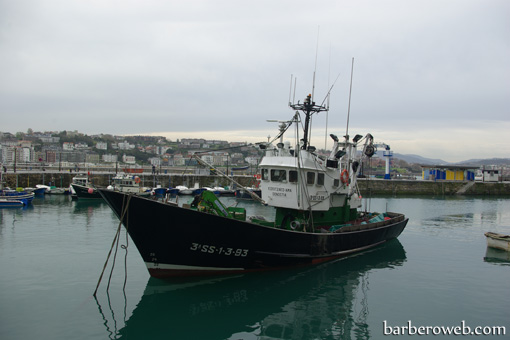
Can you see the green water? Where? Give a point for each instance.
(439, 273)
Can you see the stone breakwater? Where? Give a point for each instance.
(367, 186)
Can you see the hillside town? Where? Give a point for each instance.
(70, 149)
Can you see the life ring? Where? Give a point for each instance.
(344, 176)
(137, 180)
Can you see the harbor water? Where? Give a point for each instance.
(438, 274)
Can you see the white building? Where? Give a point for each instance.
(68, 146)
(26, 155)
(81, 146)
(102, 146)
(490, 175)
(128, 159)
(109, 158)
(155, 161)
(207, 158)
(125, 146)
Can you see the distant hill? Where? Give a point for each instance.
(488, 161)
(415, 159)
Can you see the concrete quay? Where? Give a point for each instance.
(368, 187)
(396, 187)
(30, 178)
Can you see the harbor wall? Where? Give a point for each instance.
(64, 179)
(435, 188)
(367, 186)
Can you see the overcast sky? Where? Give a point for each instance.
(430, 77)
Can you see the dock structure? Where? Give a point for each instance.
(368, 186)
(449, 172)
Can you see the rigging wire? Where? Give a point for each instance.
(125, 205)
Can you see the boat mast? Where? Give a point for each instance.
(308, 108)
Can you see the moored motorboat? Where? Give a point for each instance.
(247, 193)
(224, 191)
(57, 191)
(45, 188)
(37, 191)
(129, 184)
(17, 197)
(159, 191)
(184, 190)
(498, 241)
(82, 188)
(317, 213)
(5, 203)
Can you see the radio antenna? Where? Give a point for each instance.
(294, 95)
(349, 107)
(315, 69)
(327, 105)
(290, 87)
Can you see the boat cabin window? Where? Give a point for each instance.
(336, 182)
(320, 179)
(278, 175)
(310, 177)
(265, 174)
(293, 176)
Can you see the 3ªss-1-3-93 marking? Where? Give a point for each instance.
(206, 248)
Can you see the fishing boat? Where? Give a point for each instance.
(37, 191)
(224, 191)
(498, 241)
(10, 203)
(240, 168)
(19, 197)
(58, 191)
(10, 198)
(247, 193)
(129, 184)
(82, 188)
(318, 215)
(184, 190)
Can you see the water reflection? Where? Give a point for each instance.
(84, 206)
(329, 301)
(497, 256)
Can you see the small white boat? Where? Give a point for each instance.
(184, 190)
(499, 241)
(45, 187)
(57, 191)
(129, 184)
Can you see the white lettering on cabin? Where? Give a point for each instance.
(315, 198)
(279, 192)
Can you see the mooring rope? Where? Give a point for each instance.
(125, 205)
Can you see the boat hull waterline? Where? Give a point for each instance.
(184, 242)
(85, 192)
(498, 241)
